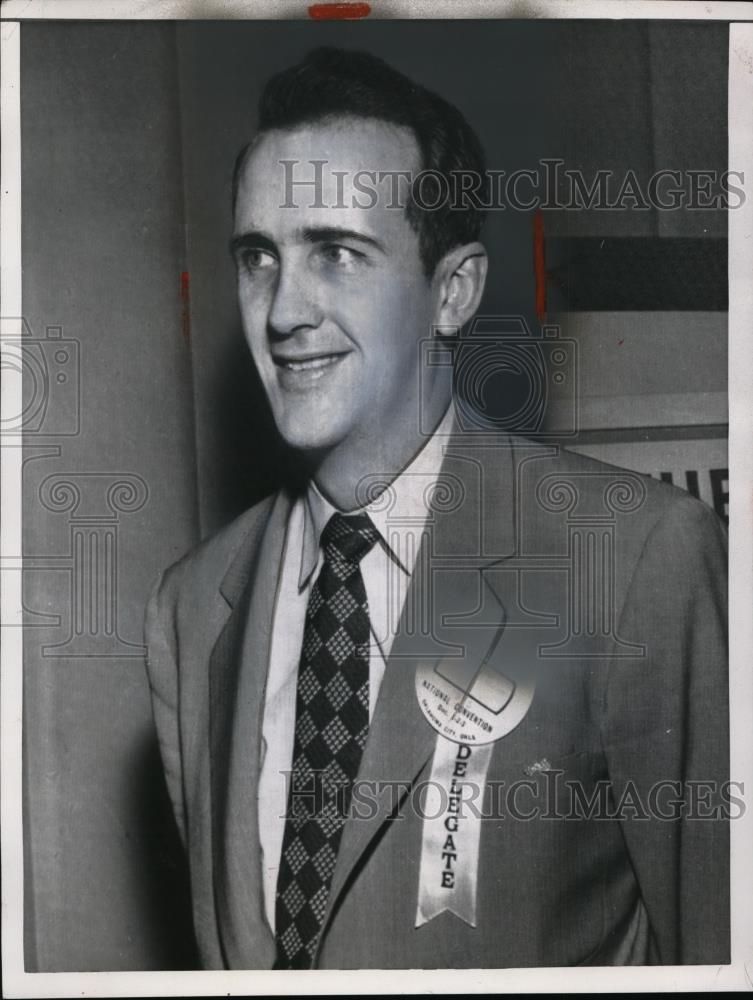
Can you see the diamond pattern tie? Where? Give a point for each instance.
(332, 721)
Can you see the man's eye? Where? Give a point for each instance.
(255, 259)
(336, 254)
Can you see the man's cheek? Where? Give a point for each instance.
(263, 362)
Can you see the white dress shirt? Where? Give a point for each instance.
(399, 514)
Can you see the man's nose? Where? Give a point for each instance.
(294, 305)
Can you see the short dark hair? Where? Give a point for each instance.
(331, 82)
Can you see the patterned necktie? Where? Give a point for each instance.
(332, 721)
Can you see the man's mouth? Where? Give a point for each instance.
(304, 364)
(316, 363)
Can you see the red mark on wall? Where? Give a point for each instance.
(339, 11)
(185, 298)
(539, 265)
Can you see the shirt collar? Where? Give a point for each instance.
(399, 514)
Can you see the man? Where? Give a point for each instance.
(342, 676)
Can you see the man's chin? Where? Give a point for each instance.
(311, 437)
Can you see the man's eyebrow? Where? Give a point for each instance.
(332, 234)
(314, 234)
(257, 240)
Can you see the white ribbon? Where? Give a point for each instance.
(452, 807)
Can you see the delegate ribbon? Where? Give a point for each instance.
(452, 808)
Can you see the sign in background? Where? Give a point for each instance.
(698, 466)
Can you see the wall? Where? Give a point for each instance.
(103, 252)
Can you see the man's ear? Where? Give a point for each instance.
(461, 276)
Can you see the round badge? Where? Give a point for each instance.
(478, 709)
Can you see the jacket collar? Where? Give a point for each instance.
(236, 699)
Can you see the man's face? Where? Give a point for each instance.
(334, 299)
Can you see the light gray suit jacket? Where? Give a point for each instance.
(633, 692)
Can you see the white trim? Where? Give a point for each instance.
(693, 979)
(218, 10)
(741, 485)
(11, 631)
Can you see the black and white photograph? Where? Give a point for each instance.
(376, 555)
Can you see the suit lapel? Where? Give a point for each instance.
(238, 672)
(474, 530)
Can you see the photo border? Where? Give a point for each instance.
(737, 975)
